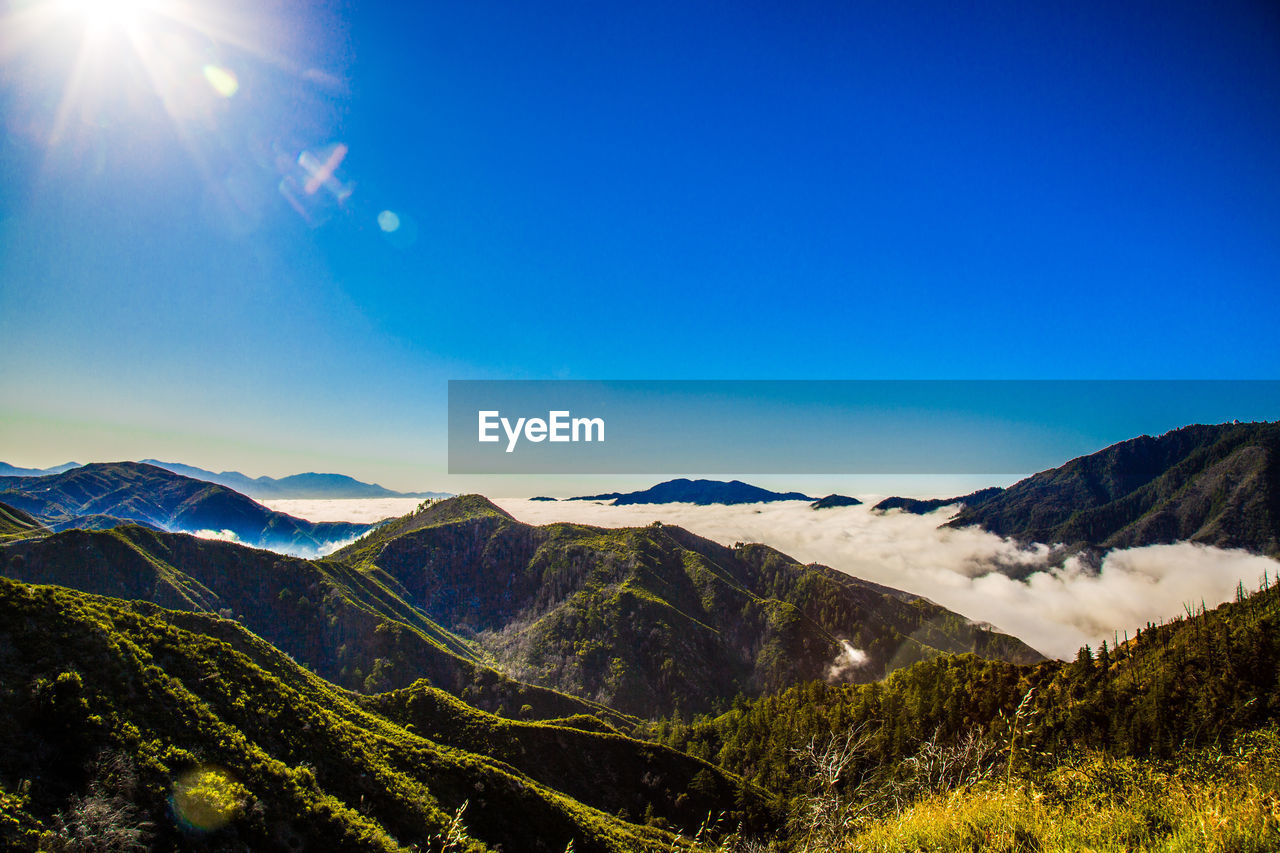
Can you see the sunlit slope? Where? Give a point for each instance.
(1195, 682)
(16, 524)
(90, 685)
(652, 619)
(352, 627)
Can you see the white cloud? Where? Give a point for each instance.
(1056, 610)
(220, 535)
(847, 662)
(362, 510)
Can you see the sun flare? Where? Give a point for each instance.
(100, 15)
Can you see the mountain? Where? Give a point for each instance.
(139, 730)
(7, 470)
(16, 524)
(133, 491)
(1200, 693)
(353, 628)
(296, 486)
(917, 506)
(1216, 485)
(833, 501)
(701, 492)
(650, 619)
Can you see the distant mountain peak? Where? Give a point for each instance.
(922, 506)
(700, 492)
(833, 501)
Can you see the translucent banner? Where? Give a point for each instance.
(821, 427)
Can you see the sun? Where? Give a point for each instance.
(104, 15)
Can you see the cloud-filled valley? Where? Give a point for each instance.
(1059, 606)
(1056, 609)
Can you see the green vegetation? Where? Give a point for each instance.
(1165, 741)
(16, 524)
(654, 619)
(355, 628)
(122, 723)
(212, 726)
(1220, 800)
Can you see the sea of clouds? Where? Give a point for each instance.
(1056, 609)
(359, 510)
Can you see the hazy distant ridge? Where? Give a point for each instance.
(7, 470)
(294, 487)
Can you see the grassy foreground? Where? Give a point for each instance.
(1213, 800)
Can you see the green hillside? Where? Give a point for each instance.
(1192, 703)
(352, 627)
(16, 524)
(127, 727)
(650, 620)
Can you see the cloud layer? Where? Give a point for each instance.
(362, 510)
(1056, 610)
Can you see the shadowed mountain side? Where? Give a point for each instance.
(652, 619)
(1216, 485)
(98, 522)
(354, 628)
(918, 506)
(126, 702)
(577, 756)
(149, 495)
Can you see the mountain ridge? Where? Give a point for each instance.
(645, 619)
(1210, 484)
(146, 494)
(7, 470)
(923, 506)
(353, 628)
(310, 485)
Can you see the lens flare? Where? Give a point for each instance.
(222, 80)
(320, 171)
(388, 221)
(207, 798)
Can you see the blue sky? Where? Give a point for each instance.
(646, 191)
